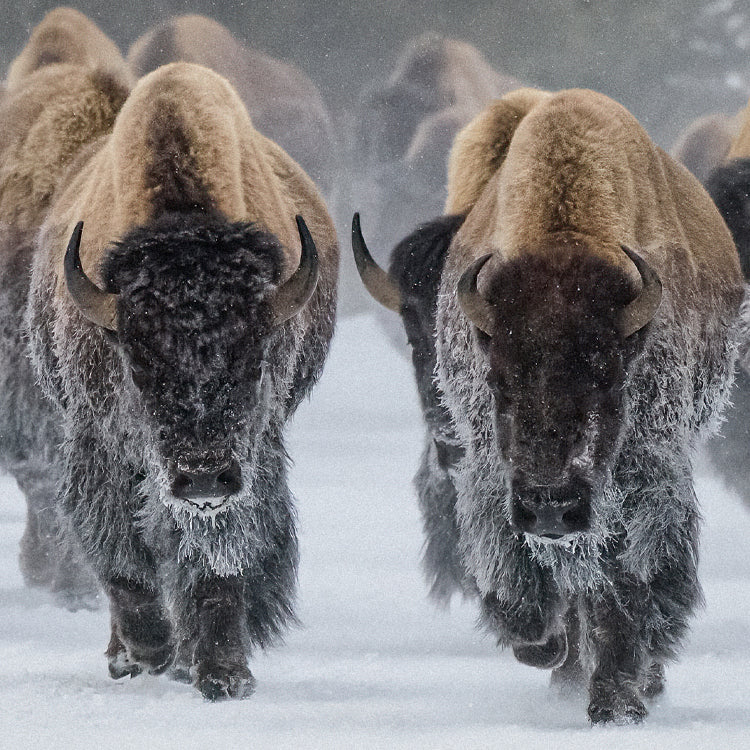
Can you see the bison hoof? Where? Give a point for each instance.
(220, 684)
(654, 682)
(621, 707)
(121, 665)
(549, 655)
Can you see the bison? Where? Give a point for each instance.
(177, 316)
(284, 104)
(583, 327)
(402, 132)
(63, 93)
(729, 186)
(704, 143)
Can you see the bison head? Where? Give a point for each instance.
(560, 329)
(196, 306)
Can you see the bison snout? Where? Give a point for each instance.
(212, 487)
(552, 513)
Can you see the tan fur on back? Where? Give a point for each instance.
(535, 165)
(51, 110)
(248, 177)
(67, 36)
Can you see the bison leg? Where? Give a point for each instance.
(529, 612)
(441, 560)
(141, 633)
(569, 676)
(48, 557)
(615, 685)
(220, 659)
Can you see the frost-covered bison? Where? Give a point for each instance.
(403, 128)
(186, 320)
(284, 104)
(63, 92)
(583, 332)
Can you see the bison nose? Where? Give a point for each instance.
(206, 484)
(552, 514)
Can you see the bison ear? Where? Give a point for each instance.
(638, 313)
(378, 282)
(95, 305)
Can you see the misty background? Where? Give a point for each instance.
(666, 61)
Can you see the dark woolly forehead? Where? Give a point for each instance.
(193, 270)
(564, 301)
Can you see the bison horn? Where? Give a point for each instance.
(95, 305)
(378, 282)
(290, 298)
(642, 309)
(476, 308)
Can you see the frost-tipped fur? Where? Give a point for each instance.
(64, 91)
(189, 217)
(558, 192)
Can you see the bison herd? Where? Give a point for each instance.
(168, 282)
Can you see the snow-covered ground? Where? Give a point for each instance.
(375, 665)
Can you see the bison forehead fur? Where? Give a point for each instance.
(194, 323)
(556, 359)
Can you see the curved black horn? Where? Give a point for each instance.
(378, 282)
(97, 306)
(293, 295)
(475, 307)
(639, 312)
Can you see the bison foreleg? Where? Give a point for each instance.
(441, 559)
(220, 658)
(529, 617)
(141, 634)
(615, 688)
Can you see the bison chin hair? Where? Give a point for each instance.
(576, 559)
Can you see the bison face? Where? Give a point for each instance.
(196, 311)
(558, 339)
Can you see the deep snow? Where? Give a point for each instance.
(375, 664)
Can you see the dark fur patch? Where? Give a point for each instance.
(173, 179)
(417, 261)
(113, 89)
(729, 186)
(193, 320)
(416, 265)
(556, 357)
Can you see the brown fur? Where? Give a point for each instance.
(560, 173)
(705, 143)
(282, 101)
(66, 36)
(248, 177)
